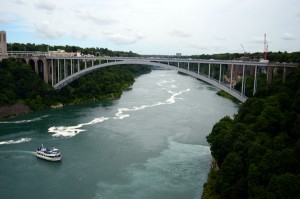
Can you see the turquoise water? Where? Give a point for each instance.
(148, 144)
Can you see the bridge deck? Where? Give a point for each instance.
(169, 63)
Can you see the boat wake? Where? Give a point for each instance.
(21, 140)
(18, 152)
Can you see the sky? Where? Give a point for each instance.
(155, 27)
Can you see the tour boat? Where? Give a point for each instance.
(45, 153)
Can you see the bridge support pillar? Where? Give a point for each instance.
(243, 82)
(58, 70)
(72, 69)
(36, 66)
(45, 70)
(209, 70)
(198, 68)
(255, 81)
(231, 76)
(65, 69)
(284, 75)
(270, 74)
(53, 72)
(220, 74)
(78, 65)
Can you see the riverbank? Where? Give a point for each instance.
(222, 93)
(21, 108)
(209, 186)
(14, 110)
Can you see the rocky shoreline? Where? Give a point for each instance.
(13, 110)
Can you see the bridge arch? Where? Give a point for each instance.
(31, 63)
(86, 71)
(40, 68)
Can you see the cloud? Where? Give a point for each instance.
(257, 40)
(4, 21)
(47, 5)
(20, 2)
(164, 30)
(98, 20)
(80, 35)
(45, 30)
(288, 36)
(121, 39)
(220, 38)
(177, 33)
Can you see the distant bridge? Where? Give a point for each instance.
(59, 71)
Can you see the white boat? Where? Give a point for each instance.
(45, 153)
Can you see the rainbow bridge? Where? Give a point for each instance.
(60, 71)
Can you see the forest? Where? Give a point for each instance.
(293, 57)
(257, 152)
(96, 51)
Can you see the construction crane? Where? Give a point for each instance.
(244, 50)
(246, 56)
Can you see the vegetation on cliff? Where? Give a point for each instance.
(258, 151)
(20, 84)
(106, 83)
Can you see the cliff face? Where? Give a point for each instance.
(13, 110)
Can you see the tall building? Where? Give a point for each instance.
(3, 45)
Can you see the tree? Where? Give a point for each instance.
(285, 186)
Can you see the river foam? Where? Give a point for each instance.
(121, 114)
(70, 131)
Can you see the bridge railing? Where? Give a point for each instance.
(26, 53)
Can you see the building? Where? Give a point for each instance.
(61, 53)
(3, 45)
(178, 54)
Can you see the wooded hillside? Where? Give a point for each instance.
(258, 151)
(19, 83)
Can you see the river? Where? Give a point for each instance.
(150, 143)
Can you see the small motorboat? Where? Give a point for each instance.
(50, 154)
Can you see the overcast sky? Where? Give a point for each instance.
(155, 26)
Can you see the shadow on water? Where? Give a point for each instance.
(17, 154)
(30, 156)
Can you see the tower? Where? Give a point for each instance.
(265, 47)
(3, 45)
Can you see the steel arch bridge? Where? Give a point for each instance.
(168, 65)
(60, 70)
